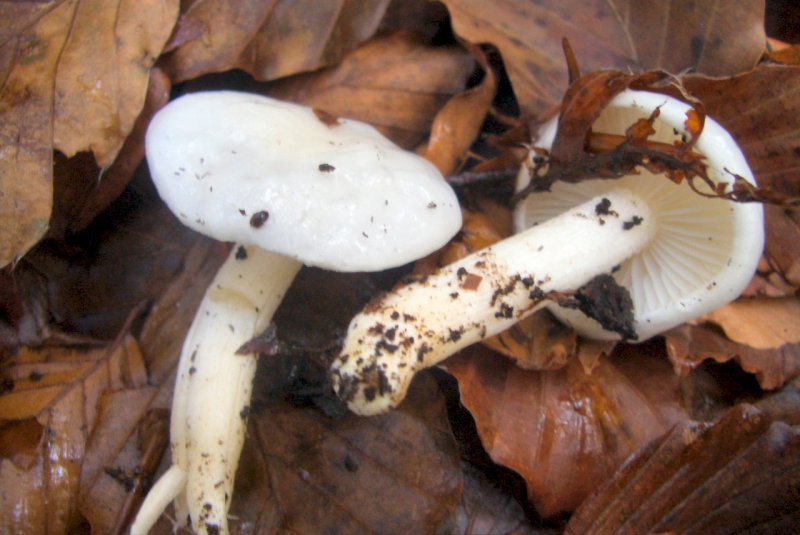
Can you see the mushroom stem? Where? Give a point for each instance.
(420, 324)
(213, 389)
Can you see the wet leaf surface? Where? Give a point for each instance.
(566, 431)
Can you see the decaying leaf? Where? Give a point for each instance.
(75, 78)
(395, 82)
(672, 36)
(268, 39)
(689, 345)
(48, 417)
(739, 474)
(565, 431)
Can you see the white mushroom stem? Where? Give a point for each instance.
(420, 324)
(213, 389)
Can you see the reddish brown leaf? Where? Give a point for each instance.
(565, 431)
(739, 474)
(269, 39)
(396, 83)
(688, 346)
(75, 77)
(673, 36)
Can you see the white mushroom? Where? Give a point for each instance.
(291, 189)
(679, 255)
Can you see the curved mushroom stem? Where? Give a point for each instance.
(424, 322)
(213, 389)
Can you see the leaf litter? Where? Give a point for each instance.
(589, 398)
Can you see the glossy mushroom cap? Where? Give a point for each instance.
(333, 194)
(704, 251)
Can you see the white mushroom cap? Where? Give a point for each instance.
(254, 170)
(704, 252)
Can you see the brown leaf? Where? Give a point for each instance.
(457, 124)
(761, 110)
(54, 406)
(396, 473)
(269, 39)
(565, 431)
(688, 346)
(396, 83)
(75, 77)
(673, 36)
(82, 189)
(760, 323)
(738, 475)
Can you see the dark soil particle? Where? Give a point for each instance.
(607, 302)
(627, 225)
(241, 253)
(258, 219)
(326, 168)
(603, 207)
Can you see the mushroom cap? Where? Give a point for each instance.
(334, 194)
(704, 251)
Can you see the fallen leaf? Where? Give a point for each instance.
(75, 78)
(566, 431)
(82, 190)
(269, 39)
(457, 124)
(395, 82)
(738, 474)
(300, 470)
(689, 345)
(54, 406)
(672, 36)
(760, 323)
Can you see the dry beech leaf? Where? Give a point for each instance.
(75, 78)
(457, 124)
(300, 470)
(760, 323)
(48, 417)
(622, 34)
(396, 83)
(566, 431)
(268, 39)
(739, 474)
(688, 346)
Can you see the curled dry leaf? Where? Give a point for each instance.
(738, 474)
(396, 83)
(565, 431)
(652, 34)
(689, 345)
(268, 39)
(48, 418)
(74, 79)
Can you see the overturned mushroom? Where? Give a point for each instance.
(290, 189)
(678, 254)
